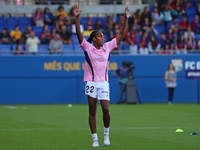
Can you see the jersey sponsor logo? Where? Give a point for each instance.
(104, 92)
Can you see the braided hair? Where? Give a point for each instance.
(93, 34)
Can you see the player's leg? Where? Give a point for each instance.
(92, 102)
(104, 97)
(106, 120)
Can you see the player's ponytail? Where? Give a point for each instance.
(93, 34)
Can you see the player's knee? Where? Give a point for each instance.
(92, 111)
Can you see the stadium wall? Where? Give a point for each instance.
(59, 79)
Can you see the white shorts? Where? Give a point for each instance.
(99, 90)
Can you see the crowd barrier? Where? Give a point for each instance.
(59, 79)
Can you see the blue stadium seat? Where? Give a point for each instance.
(5, 49)
(37, 30)
(43, 49)
(22, 28)
(75, 39)
(68, 48)
(2, 22)
(125, 46)
(190, 18)
(151, 10)
(77, 48)
(137, 39)
(83, 21)
(179, 19)
(191, 11)
(15, 45)
(169, 25)
(51, 27)
(197, 38)
(10, 28)
(24, 21)
(12, 21)
(160, 28)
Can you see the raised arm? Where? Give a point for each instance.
(124, 27)
(77, 13)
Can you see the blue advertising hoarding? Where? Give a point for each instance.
(59, 79)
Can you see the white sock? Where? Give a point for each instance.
(94, 137)
(106, 131)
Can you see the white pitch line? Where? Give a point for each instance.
(114, 128)
(13, 107)
(10, 107)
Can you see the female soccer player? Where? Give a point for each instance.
(96, 72)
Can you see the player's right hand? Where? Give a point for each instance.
(76, 10)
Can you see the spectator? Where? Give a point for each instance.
(170, 36)
(45, 35)
(138, 16)
(65, 35)
(68, 26)
(190, 39)
(152, 32)
(176, 33)
(122, 75)
(59, 23)
(167, 17)
(188, 33)
(166, 45)
(145, 25)
(195, 24)
(71, 16)
(26, 33)
(32, 44)
(109, 25)
(56, 45)
(121, 20)
(153, 45)
(18, 50)
(52, 33)
(145, 14)
(181, 45)
(16, 35)
(61, 12)
(89, 25)
(98, 26)
(143, 44)
(38, 18)
(178, 6)
(131, 20)
(137, 26)
(184, 23)
(130, 37)
(5, 37)
(114, 34)
(171, 82)
(48, 17)
(157, 17)
(174, 23)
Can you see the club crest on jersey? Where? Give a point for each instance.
(103, 49)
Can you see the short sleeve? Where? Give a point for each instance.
(85, 45)
(111, 45)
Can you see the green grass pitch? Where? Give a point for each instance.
(133, 127)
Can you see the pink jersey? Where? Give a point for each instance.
(97, 60)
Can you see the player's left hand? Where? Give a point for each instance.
(126, 12)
